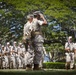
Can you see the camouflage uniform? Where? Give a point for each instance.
(41, 61)
(23, 55)
(0, 57)
(19, 58)
(29, 50)
(15, 47)
(4, 58)
(38, 41)
(12, 59)
(75, 54)
(8, 48)
(70, 54)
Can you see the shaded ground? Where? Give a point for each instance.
(41, 72)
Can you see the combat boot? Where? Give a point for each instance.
(28, 67)
(36, 67)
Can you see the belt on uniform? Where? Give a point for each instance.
(71, 50)
(37, 33)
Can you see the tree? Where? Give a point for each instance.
(61, 11)
(11, 23)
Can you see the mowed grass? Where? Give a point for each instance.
(41, 72)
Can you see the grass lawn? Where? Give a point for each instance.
(44, 72)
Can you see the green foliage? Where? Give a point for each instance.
(54, 46)
(11, 24)
(62, 11)
(57, 9)
(52, 65)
